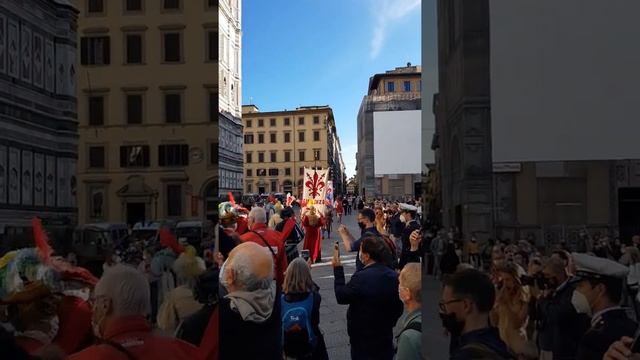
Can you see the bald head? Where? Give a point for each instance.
(249, 268)
(410, 277)
(128, 290)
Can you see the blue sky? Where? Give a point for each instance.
(322, 52)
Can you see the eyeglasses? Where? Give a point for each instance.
(443, 304)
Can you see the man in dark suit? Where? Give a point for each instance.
(598, 293)
(374, 305)
(560, 326)
(408, 214)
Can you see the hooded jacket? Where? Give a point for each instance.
(250, 325)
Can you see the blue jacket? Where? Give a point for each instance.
(374, 308)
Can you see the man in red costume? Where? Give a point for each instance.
(120, 304)
(313, 233)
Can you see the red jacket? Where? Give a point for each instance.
(28, 344)
(210, 343)
(273, 238)
(134, 334)
(75, 325)
(243, 225)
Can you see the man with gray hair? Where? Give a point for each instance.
(250, 320)
(260, 234)
(120, 304)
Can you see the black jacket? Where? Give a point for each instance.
(374, 308)
(241, 339)
(396, 225)
(480, 344)
(560, 327)
(193, 328)
(607, 329)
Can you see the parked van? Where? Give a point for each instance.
(92, 242)
(196, 233)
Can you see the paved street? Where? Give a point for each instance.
(333, 317)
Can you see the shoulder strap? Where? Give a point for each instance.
(413, 325)
(484, 350)
(266, 244)
(120, 348)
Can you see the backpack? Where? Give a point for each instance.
(297, 334)
(413, 325)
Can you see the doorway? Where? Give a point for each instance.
(628, 213)
(261, 190)
(136, 212)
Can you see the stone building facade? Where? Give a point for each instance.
(230, 97)
(278, 145)
(546, 202)
(148, 77)
(39, 138)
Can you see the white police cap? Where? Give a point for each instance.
(591, 267)
(407, 207)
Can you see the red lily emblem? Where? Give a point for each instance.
(315, 184)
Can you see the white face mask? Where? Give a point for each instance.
(580, 303)
(360, 257)
(44, 337)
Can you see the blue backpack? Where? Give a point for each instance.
(297, 333)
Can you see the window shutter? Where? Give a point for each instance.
(162, 159)
(124, 155)
(185, 154)
(107, 50)
(84, 51)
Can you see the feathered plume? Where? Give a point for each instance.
(167, 239)
(41, 240)
(232, 200)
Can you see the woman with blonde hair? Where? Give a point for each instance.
(302, 337)
(180, 302)
(510, 313)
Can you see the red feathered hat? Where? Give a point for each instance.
(168, 240)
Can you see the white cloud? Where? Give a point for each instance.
(388, 12)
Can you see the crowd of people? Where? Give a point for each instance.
(250, 296)
(511, 300)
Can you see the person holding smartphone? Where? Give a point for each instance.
(624, 349)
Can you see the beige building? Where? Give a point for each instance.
(395, 90)
(147, 96)
(279, 145)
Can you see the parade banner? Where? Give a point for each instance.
(315, 188)
(328, 199)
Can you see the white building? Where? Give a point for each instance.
(229, 97)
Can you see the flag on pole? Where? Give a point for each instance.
(315, 187)
(329, 196)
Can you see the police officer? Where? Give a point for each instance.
(408, 214)
(598, 294)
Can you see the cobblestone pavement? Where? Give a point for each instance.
(333, 317)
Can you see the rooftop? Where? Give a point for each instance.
(408, 71)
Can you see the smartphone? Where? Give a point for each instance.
(305, 254)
